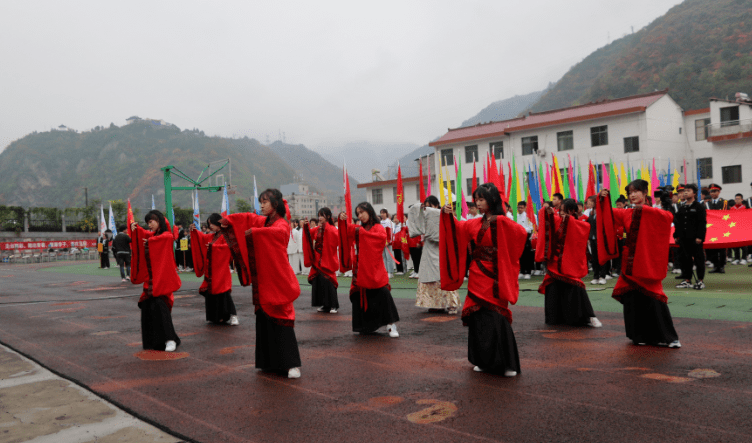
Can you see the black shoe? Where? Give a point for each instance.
(717, 271)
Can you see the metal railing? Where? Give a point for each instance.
(731, 127)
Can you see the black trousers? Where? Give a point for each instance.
(527, 259)
(398, 257)
(415, 254)
(717, 257)
(598, 270)
(104, 259)
(692, 254)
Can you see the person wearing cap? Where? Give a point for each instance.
(690, 228)
(739, 254)
(716, 256)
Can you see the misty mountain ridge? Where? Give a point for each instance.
(363, 156)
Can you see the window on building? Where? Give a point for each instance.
(447, 157)
(705, 167)
(701, 129)
(471, 153)
(565, 140)
(731, 174)
(469, 190)
(529, 145)
(631, 144)
(394, 194)
(377, 196)
(599, 136)
(730, 116)
(497, 148)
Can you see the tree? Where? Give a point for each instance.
(242, 205)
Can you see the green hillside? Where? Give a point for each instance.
(698, 49)
(52, 168)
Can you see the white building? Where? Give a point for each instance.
(383, 194)
(302, 202)
(632, 130)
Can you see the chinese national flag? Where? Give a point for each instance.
(130, 218)
(727, 229)
(400, 196)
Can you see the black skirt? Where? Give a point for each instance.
(156, 324)
(323, 293)
(647, 320)
(276, 345)
(381, 310)
(490, 342)
(219, 307)
(567, 304)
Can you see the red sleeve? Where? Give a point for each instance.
(453, 241)
(274, 282)
(237, 225)
(198, 251)
(162, 260)
(510, 242)
(543, 233)
(309, 234)
(608, 248)
(139, 272)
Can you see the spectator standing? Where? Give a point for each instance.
(690, 228)
(121, 247)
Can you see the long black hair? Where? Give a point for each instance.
(275, 199)
(327, 214)
(489, 193)
(432, 201)
(159, 218)
(367, 208)
(569, 206)
(213, 219)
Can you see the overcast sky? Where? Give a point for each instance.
(325, 72)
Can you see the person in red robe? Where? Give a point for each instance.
(211, 259)
(258, 244)
(639, 289)
(496, 244)
(562, 243)
(153, 264)
(320, 254)
(370, 292)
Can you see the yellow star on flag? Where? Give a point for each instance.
(709, 225)
(732, 224)
(726, 217)
(714, 239)
(727, 234)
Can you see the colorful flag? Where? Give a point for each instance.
(153, 206)
(485, 178)
(550, 190)
(513, 190)
(346, 192)
(675, 182)
(400, 196)
(130, 218)
(654, 183)
(428, 164)
(699, 185)
(475, 180)
(572, 179)
(448, 185)
(111, 219)
(256, 203)
(459, 195)
(442, 199)
(225, 209)
(591, 189)
(196, 213)
(530, 210)
(545, 196)
(623, 181)
(102, 220)
(614, 181)
(422, 185)
(605, 177)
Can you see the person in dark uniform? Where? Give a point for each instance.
(716, 256)
(690, 228)
(677, 200)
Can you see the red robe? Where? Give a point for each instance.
(211, 259)
(562, 243)
(321, 257)
(259, 248)
(645, 254)
(154, 264)
(495, 264)
(367, 263)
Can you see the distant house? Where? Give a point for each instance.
(302, 202)
(153, 121)
(62, 128)
(133, 119)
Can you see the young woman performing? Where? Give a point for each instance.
(153, 264)
(258, 244)
(373, 305)
(496, 243)
(424, 220)
(211, 259)
(562, 243)
(321, 257)
(647, 318)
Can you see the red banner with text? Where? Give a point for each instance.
(54, 244)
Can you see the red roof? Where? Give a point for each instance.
(697, 111)
(391, 182)
(590, 111)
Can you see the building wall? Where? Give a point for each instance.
(412, 196)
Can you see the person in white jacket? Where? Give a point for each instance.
(295, 249)
(528, 259)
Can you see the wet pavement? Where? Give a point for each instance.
(577, 384)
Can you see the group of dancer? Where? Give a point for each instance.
(486, 249)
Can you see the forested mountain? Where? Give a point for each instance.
(53, 168)
(698, 49)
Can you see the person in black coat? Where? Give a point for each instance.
(121, 247)
(690, 224)
(717, 256)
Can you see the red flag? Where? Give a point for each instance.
(726, 229)
(488, 169)
(348, 198)
(530, 210)
(554, 179)
(400, 196)
(494, 178)
(590, 181)
(475, 179)
(422, 184)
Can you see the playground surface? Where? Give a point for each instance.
(576, 384)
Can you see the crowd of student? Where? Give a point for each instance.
(488, 249)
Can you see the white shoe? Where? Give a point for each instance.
(602, 281)
(594, 282)
(742, 262)
(477, 369)
(232, 271)
(180, 269)
(333, 311)
(519, 277)
(293, 373)
(510, 373)
(389, 275)
(594, 322)
(127, 277)
(234, 320)
(674, 344)
(321, 309)
(735, 262)
(170, 346)
(392, 329)
(670, 265)
(123, 279)
(615, 274)
(608, 277)
(526, 276)
(399, 273)
(348, 274)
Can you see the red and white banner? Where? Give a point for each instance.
(56, 244)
